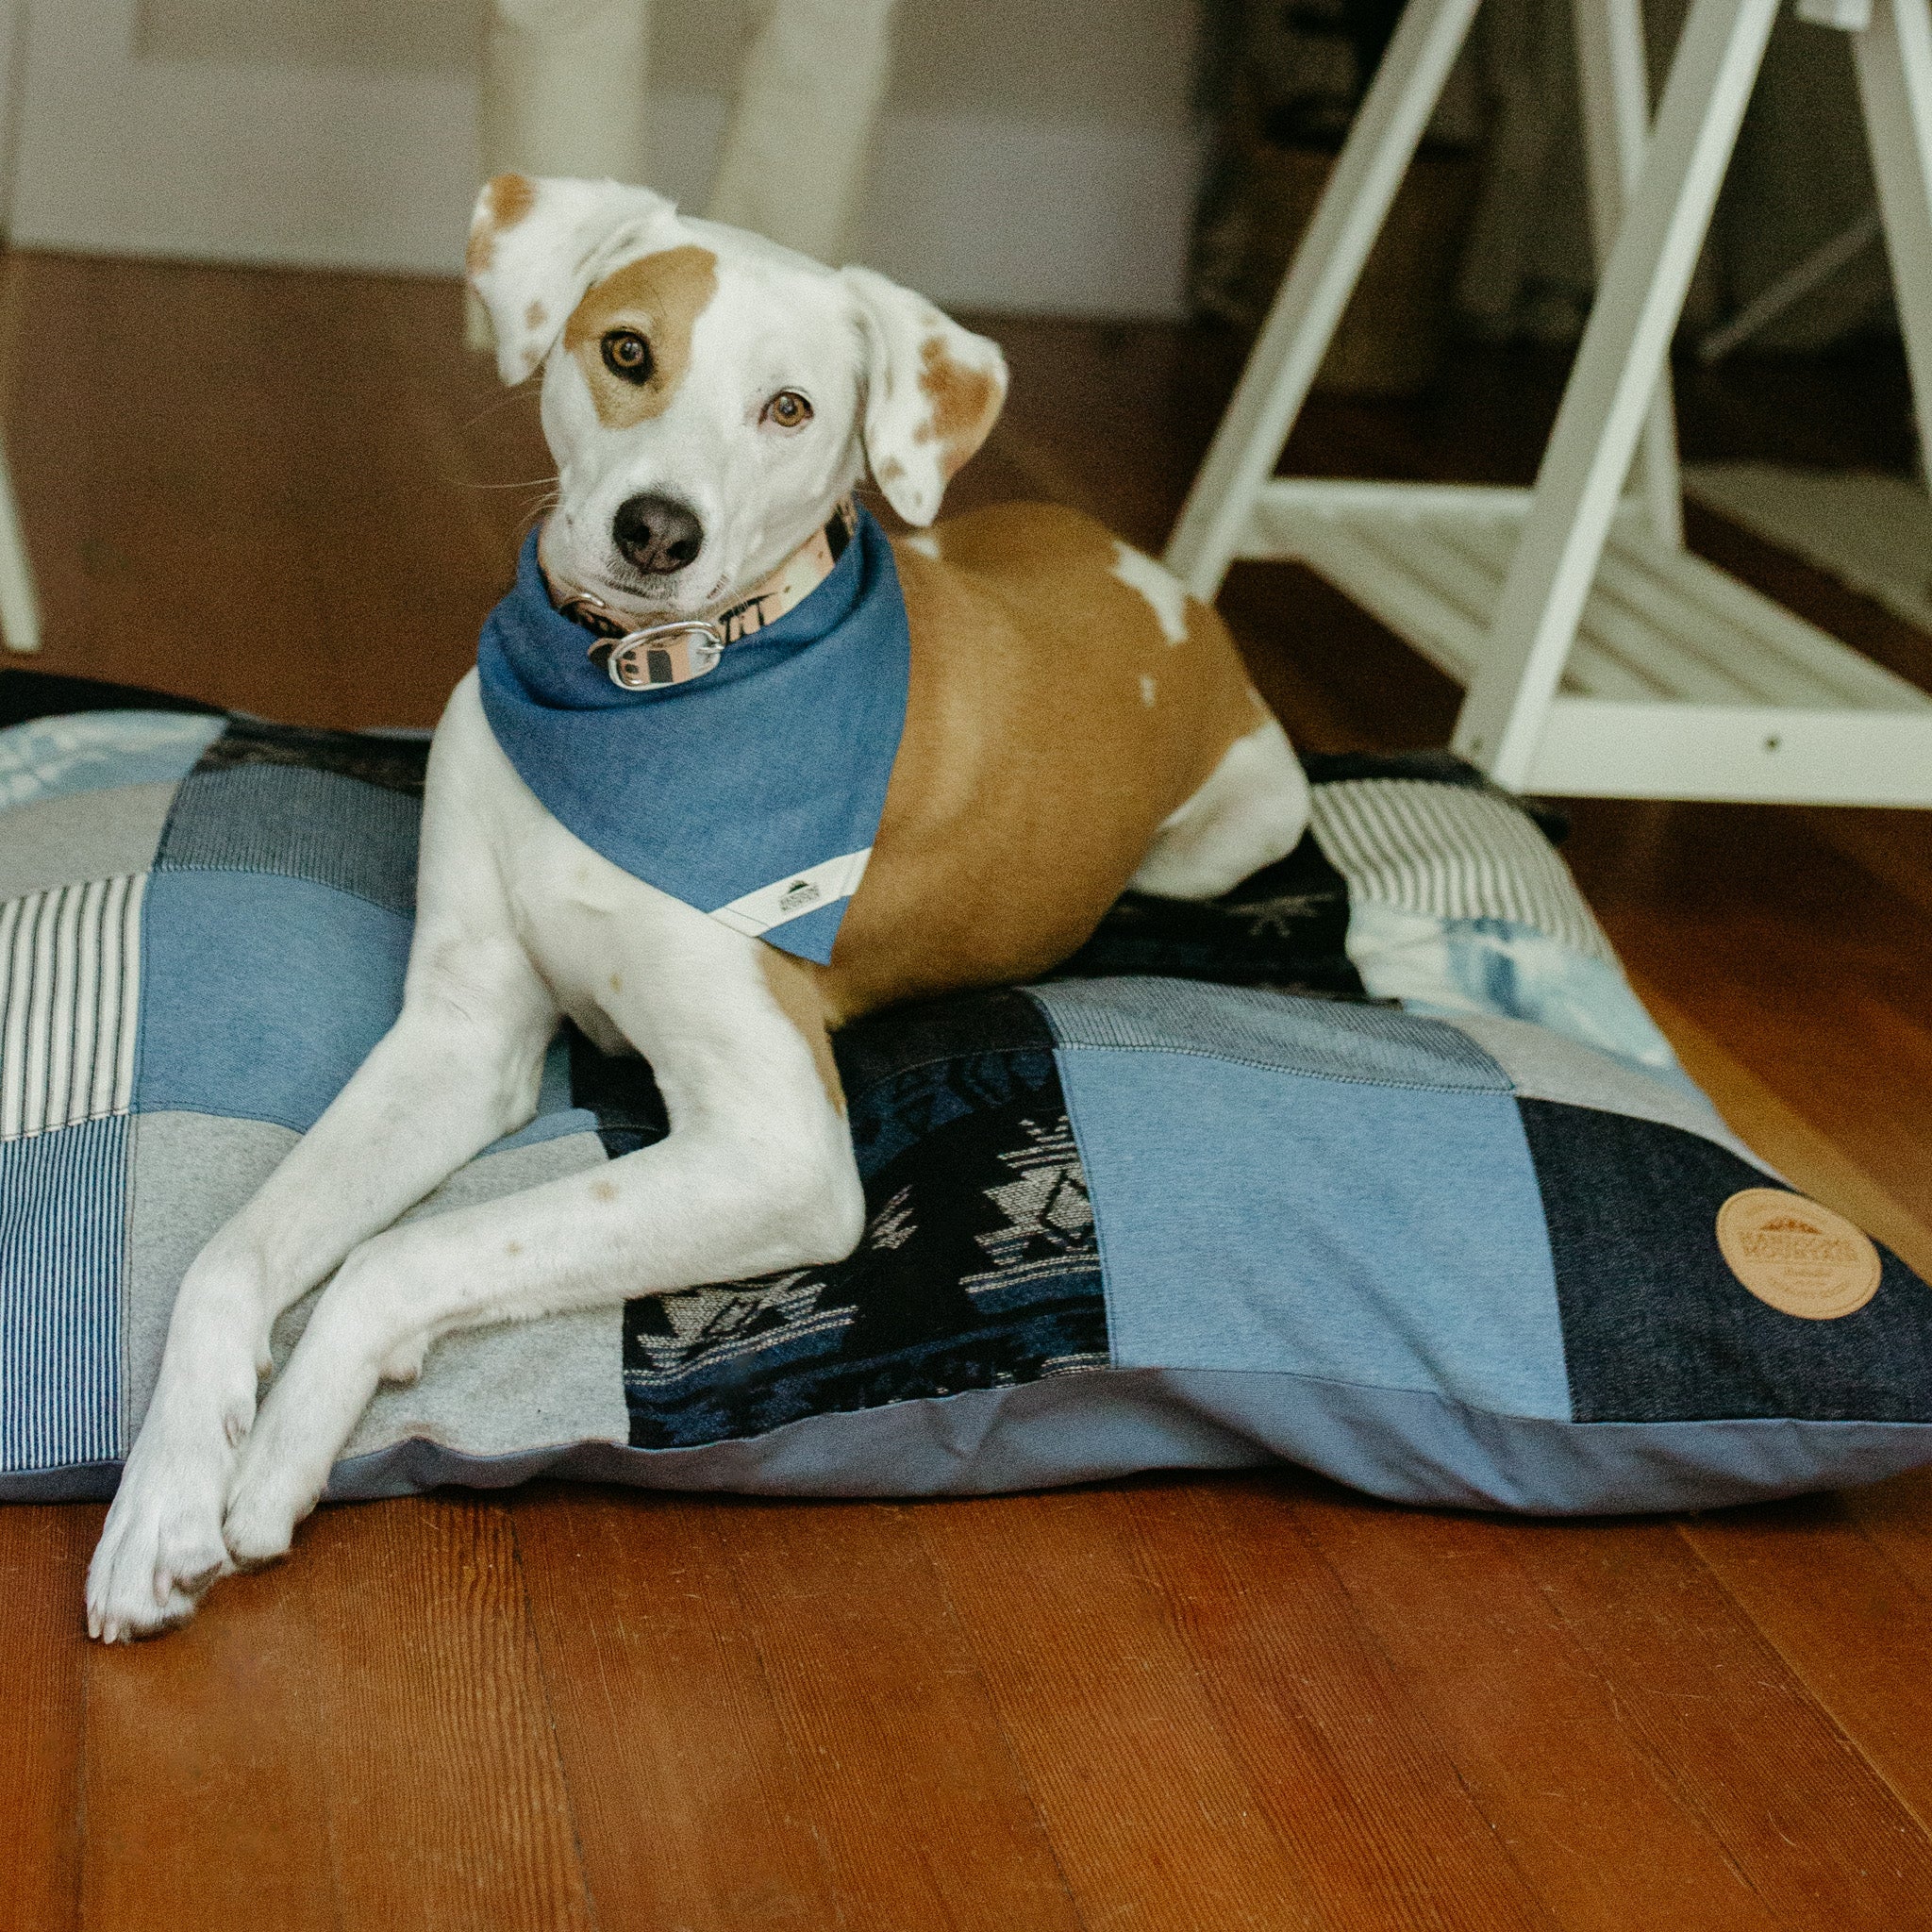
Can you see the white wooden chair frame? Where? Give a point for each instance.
(1598, 655)
(19, 607)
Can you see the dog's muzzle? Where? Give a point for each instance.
(665, 654)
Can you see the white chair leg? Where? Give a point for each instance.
(1790, 287)
(565, 88)
(1614, 87)
(793, 163)
(1894, 63)
(1616, 373)
(563, 94)
(1326, 266)
(19, 607)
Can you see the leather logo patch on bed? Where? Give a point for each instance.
(1799, 1257)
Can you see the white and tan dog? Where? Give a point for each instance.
(1075, 724)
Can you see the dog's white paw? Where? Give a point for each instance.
(274, 1486)
(306, 1419)
(161, 1545)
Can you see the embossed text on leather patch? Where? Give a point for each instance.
(1799, 1257)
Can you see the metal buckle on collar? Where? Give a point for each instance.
(661, 654)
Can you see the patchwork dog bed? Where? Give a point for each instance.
(1376, 1165)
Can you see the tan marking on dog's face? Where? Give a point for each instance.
(507, 199)
(535, 316)
(960, 399)
(660, 296)
(890, 471)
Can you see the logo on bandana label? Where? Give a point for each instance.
(797, 896)
(1797, 1256)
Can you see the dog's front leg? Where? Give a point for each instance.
(757, 1174)
(459, 1067)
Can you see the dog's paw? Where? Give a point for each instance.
(310, 1413)
(161, 1545)
(267, 1498)
(284, 1465)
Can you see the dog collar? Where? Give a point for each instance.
(675, 652)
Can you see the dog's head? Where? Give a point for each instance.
(709, 396)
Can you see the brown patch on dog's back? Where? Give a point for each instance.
(506, 201)
(1007, 835)
(660, 296)
(963, 404)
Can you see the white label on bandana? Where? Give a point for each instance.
(795, 895)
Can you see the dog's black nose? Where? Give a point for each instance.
(656, 534)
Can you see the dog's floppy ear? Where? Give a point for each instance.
(932, 391)
(537, 244)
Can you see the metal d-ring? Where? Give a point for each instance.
(662, 654)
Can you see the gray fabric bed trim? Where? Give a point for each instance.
(76, 1482)
(1408, 1446)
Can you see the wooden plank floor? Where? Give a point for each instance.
(1245, 1702)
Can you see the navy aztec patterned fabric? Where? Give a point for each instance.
(980, 1267)
(1376, 1165)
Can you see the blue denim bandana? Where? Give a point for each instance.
(753, 792)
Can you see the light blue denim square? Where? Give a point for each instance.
(261, 995)
(1260, 1220)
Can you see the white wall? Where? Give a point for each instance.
(1120, 62)
(1035, 154)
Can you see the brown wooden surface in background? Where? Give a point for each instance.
(1215, 1703)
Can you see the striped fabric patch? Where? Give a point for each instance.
(69, 998)
(1450, 852)
(1327, 1038)
(62, 1202)
(285, 819)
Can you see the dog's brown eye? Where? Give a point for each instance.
(787, 409)
(628, 356)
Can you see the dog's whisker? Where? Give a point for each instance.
(508, 402)
(533, 514)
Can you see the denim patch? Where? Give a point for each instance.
(1656, 1325)
(64, 1200)
(98, 751)
(1459, 967)
(301, 823)
(1327, 1038)
(1270, 1222)
(261, 995)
